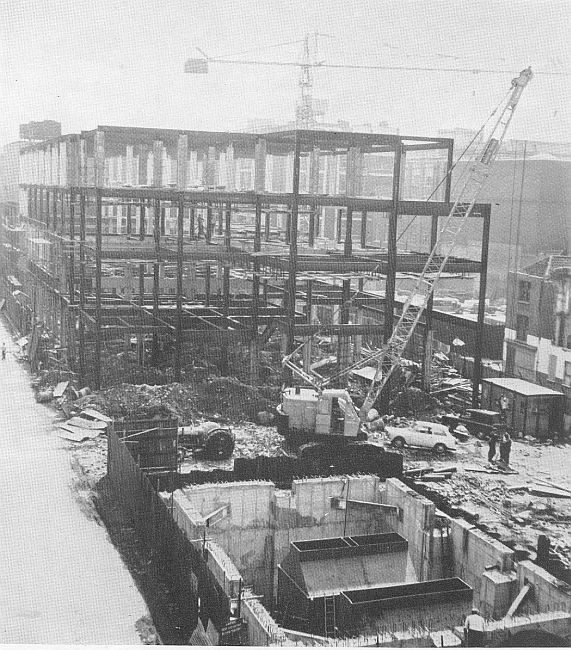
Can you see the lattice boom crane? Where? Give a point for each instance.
(390, 355)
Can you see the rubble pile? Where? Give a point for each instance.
(414, 401)
(144, 401)
(228, 398)
(515, 504)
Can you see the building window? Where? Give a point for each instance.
(567, 374)
(552, 369)
(522, 325)
(524, 291)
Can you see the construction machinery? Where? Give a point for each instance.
(320, 414)
(209, 440)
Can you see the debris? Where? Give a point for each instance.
(481, 470)
(83, 392)
(95, 415)
(373, 414)
(82, 423)
(433, 478)
(44, 396)
(265, 418)
(77, 434)
(552, 485)
(540, 490)
(60, 389)
(516, 488)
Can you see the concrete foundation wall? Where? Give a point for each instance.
(415, 522)
(244, 529)
(259, 522)
(262, 630)
(472, 552)
(549, 594)
(306, 512)
(498, 633)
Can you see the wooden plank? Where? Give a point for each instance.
(86, 424)
(542, 491)
(519, 600)
(92, 413)
(76, 433)
(59, 390)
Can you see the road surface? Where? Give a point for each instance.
(61, 581)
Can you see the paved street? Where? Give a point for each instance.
(62, 581)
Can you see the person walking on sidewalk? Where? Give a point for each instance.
(3, 351)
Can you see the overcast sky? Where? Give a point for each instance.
(120, 62)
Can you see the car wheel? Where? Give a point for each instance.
(439, 448)
(398, 443)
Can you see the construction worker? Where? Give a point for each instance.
(494, 437)
(505, 448)
(474, 629)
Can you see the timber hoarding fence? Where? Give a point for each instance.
(182, 565)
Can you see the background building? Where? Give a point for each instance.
(538, 326)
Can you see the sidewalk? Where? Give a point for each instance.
(62, 580)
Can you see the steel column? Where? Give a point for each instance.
(254, 346)
(179, 289)
(390, 284)
(348, 246)
(141, 336)
(142, 222)
(227, 226)
(156, 275)
(82, 369)
(364, 229)
(477, 373)
(98, 314)
(292, 272)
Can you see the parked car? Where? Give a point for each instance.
(479, 422)
(428, 435)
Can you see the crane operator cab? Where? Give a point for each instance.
(307, 414)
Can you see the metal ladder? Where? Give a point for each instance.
(329, 620)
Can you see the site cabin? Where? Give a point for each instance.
(305, 412)
(530, 409)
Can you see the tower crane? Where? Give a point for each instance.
(322, 413)
(306, 111)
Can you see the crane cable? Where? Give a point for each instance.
(449, 172)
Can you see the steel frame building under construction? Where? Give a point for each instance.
(132, 235)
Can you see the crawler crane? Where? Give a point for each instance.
(321, 415)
